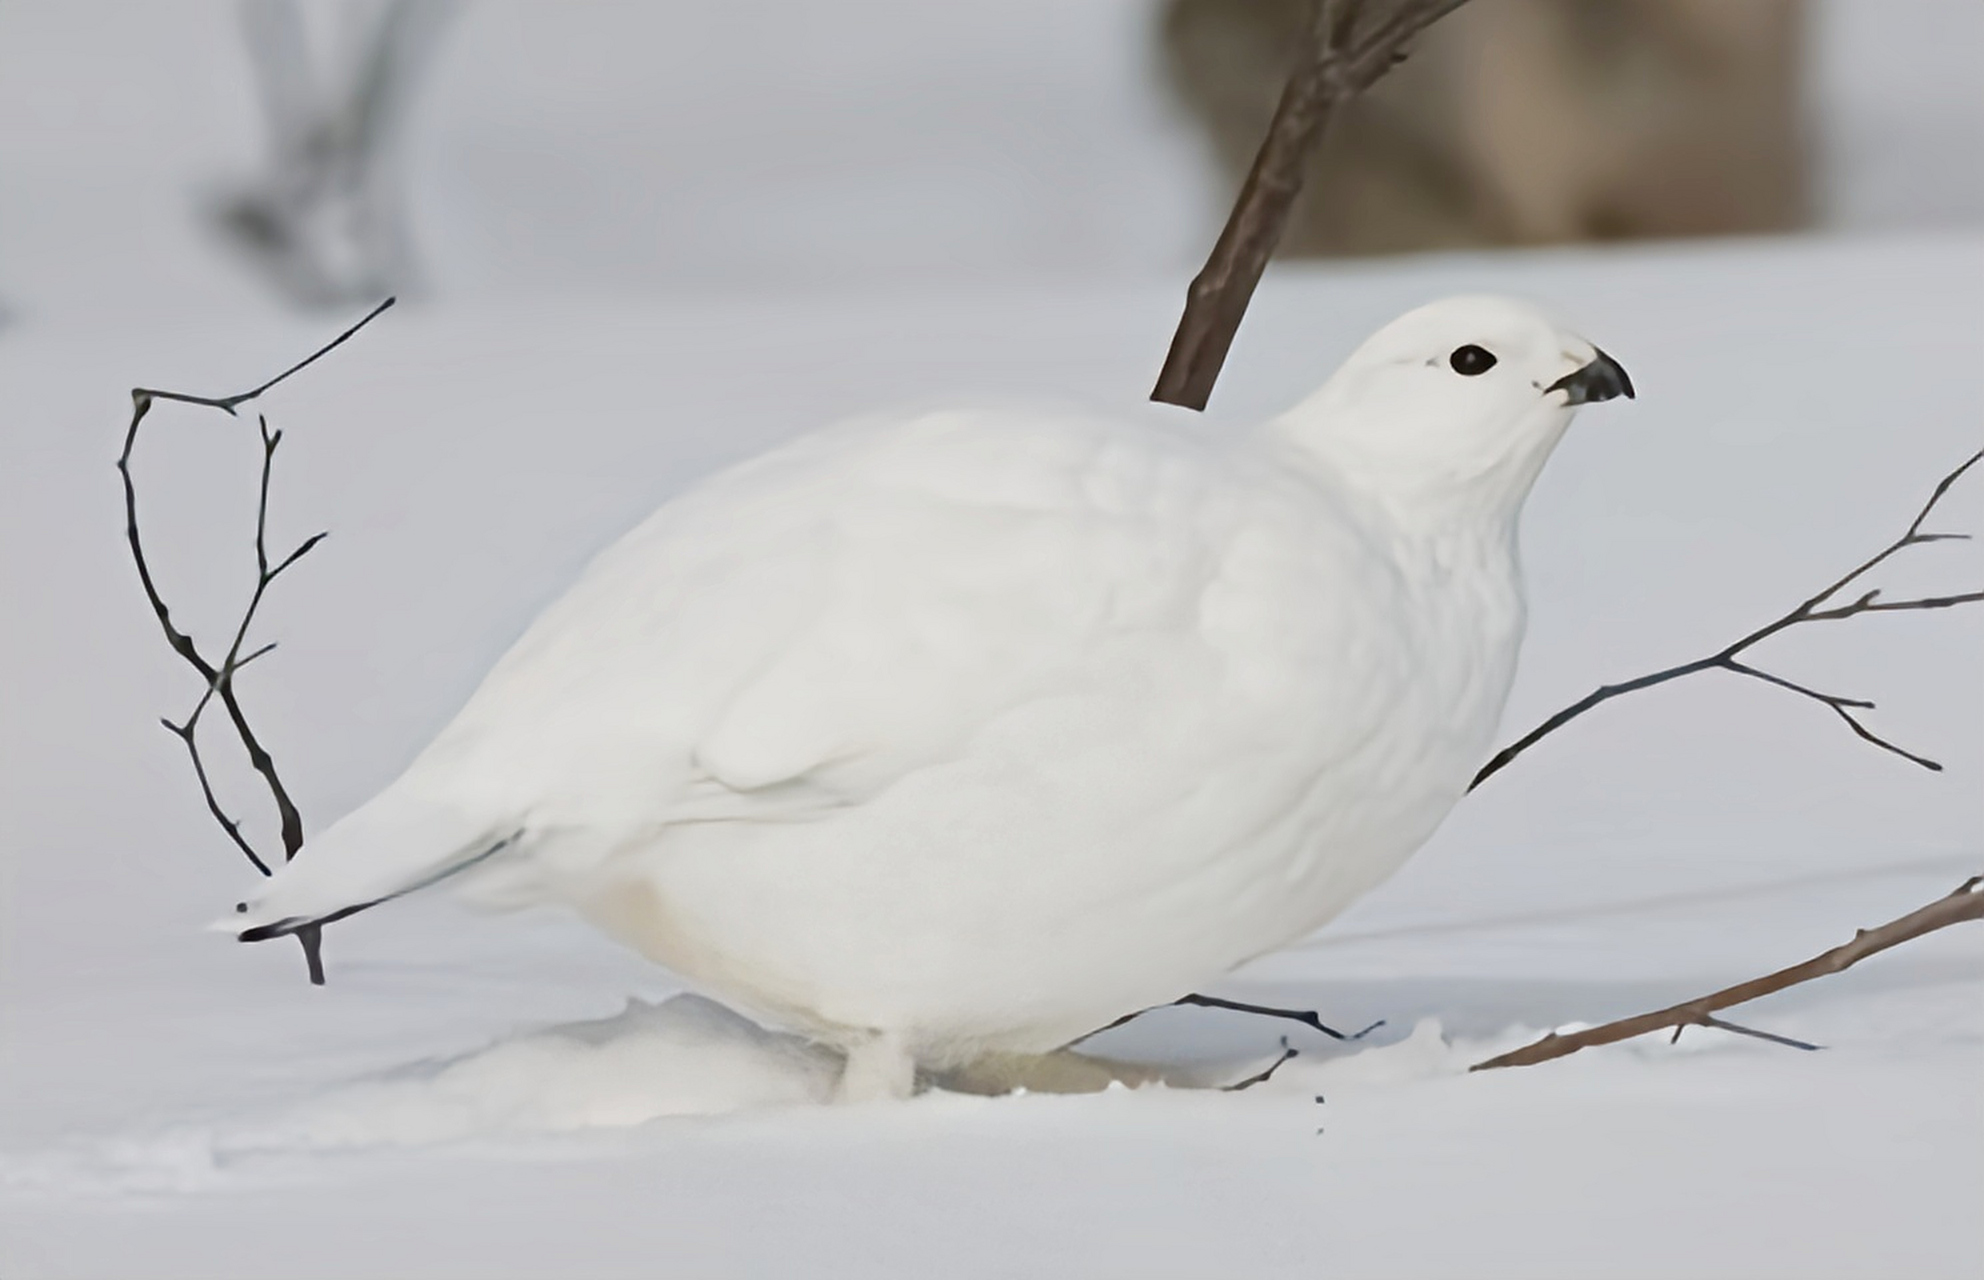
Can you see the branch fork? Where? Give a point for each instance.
(1965, 902)
(219, 675)
(1816, 608)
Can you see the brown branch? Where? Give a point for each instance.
(1814, 609)
(1350, 44)
(1965, 903)
(219, 676)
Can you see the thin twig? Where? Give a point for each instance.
(1307, 1017)
(185, 733)
(1710, 1020)
(219, 676)
(1288, 1055)
(1349, 45)
(143, 395)
(1817, 608)
(1966, 902)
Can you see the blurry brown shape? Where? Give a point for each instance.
(1524, 121)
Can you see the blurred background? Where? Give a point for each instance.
(287, 153)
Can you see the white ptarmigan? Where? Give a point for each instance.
(967, 732)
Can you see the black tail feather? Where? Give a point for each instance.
(291, 924)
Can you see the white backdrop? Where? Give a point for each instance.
(771, 145)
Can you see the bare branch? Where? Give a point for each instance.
(1710, 1020)
(1604, 693)
(297, 554)
(1831, 700)
(185, 733)
(1350, 45)
(228, 404)
(1813, 609)
(1966, 902)
(1864, 605)
(218, 677)
(267, 648)
(1288, 1055)
(1868, 735)
(1307, 1017)
(1915, 527)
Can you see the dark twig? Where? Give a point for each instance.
(1350, 45)
(219, 676)
(144, 395)
(1966, 902)
(184, 732)
(1267, 1073)
(1710, 1020)
(1817, 608)
(1307, 1017)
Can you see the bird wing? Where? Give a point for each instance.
(802, 631)
(863, 604)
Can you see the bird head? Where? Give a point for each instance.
(1458, 401)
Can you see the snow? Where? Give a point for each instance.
(475, 1095)
(685, 1056)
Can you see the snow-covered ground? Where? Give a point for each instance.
(477, 1096)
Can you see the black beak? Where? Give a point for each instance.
(1603, 379)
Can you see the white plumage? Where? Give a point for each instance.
(967, 732)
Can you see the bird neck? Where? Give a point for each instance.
(1438, 498)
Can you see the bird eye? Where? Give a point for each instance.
(1471, 361)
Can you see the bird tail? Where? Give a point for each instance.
(388, 848)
